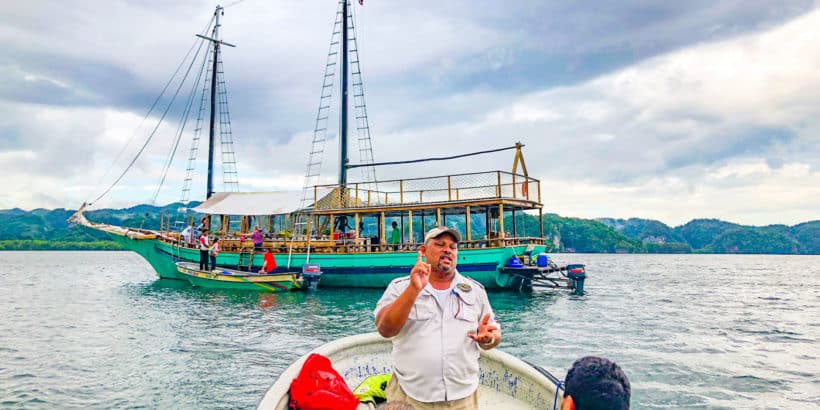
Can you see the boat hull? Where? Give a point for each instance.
(375, 269)
(229, 279)
(163, 264)
(505, 382)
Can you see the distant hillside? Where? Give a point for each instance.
(716, 236)
(808, 236)
(49, 229)
(44, 229)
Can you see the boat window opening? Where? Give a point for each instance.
(514, 224)
(458, 221)
(324, 226)
(234, 224)
(508, 220)
(430, 221)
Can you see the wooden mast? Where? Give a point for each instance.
(212, 135)
(343, 159)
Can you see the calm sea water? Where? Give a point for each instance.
(97, 330)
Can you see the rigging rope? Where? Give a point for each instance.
(377, 164)
(183, 121)
(170, 80)
(233, 4)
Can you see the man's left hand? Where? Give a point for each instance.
(487, 334)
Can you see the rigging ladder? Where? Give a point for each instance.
(363, 139)
(230, 178)
(245, 261)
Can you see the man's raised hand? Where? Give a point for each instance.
(420, 275)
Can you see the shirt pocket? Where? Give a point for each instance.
(467, 311)
(422, 312)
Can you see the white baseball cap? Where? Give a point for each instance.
(441, 230)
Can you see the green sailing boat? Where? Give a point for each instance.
(362, 233)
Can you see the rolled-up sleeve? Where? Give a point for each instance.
(390, 294)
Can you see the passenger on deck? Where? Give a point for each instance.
(202, 225)
(187, 235)
(395, 236)
(596, 383)
(269, 263)
(203, 250)
(437, 319)
(258, 238)
(214, 252)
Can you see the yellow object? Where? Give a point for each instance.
(372, 389)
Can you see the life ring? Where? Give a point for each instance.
(524, 189)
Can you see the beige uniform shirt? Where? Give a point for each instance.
(433, 358)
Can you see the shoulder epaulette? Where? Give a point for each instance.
(477, 283)
(400, 279)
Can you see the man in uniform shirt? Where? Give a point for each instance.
(438, 320)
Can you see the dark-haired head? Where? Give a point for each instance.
(596, 383)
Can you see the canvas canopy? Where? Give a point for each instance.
(250, 203)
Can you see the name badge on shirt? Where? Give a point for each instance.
(464, 287)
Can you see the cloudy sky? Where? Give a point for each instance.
(662, 110)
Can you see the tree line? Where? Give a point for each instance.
(42, 229)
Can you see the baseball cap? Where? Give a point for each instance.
(441, 230)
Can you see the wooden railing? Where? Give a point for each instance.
(415, 191)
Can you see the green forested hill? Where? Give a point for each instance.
(716, 236)
(701, 232)
(49, 229)
(748, 239)
(808, 236)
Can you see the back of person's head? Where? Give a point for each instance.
(596, 383)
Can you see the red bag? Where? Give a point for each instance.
(319, 387)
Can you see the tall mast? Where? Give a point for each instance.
(212, 138)
(343, 159)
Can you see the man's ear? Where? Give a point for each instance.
(568, 403)
(423, 249)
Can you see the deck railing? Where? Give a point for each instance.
(360, 245)
(417, 191)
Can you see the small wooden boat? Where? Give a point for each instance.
(506, 382)
(221, 278)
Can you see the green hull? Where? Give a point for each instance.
(340, 270)
(371, 270)
(162, 263)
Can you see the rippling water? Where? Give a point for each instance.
(97, 330)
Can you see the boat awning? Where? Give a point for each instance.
(250, 203)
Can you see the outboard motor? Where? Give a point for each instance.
(514, 262)
(577, 274)
(310, 275)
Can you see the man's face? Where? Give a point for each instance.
(442, 253)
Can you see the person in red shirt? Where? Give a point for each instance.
(204, 246)
(269, 264)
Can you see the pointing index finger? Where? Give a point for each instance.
(421, 255)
